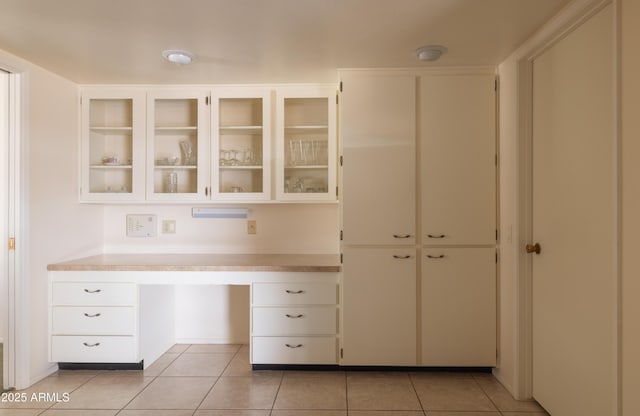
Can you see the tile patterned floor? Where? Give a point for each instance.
(216, 380)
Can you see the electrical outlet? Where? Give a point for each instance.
(168, 226)
(251, 227)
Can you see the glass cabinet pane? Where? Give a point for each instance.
(306, 145)
(241, 150)
(110, 145)
(241, 144)
(175, 146)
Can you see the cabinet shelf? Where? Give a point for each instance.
(111, 167)
(175, 167)
(306, 167)
(241, 167)
(252, 130)
(111, 129)
(302, 129)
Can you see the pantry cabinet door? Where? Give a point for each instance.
(459, 307)
(378, 129)
(458, 159)
(379, 307)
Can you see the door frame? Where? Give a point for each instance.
(560, 26)
(16, 308)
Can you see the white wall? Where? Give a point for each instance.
(281, 228)
(56, 226)
(630, 145)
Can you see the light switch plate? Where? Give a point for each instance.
(168, 226)
(142, 225)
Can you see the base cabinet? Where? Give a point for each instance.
(128, 317)
(294, 323)
(94, 322)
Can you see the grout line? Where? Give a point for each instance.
(424, 411)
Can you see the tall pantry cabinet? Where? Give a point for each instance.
(418, 198)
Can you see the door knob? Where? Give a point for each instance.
(533, 248)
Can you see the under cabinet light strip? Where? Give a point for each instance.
(209, 212)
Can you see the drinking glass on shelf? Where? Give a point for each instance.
(187, 153)
(248, 157)
(294, 152)
(308, 156)
(224, 157)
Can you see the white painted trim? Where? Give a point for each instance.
(570, 18)
(4, 217)
(19, 317)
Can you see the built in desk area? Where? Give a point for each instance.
(116, 310)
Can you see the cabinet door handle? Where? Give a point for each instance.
(402, 236)
(295, 292)
(93, 291)
(293, 346)
(95, 315)
(436, 236)
(91, 345)
(395, 256)
(441, 256)
(294, 316)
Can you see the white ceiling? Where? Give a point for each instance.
(263, 41)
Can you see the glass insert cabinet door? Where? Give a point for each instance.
(241, 143)
(306, 139)
(176, 147)
(112, 145)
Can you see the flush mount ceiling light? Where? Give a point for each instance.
(430, 53)
(178, 56)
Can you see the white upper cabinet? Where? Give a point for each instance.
(171, 144)
(458, 159)
(306, 143)
(177, 145)
(378, 135)
(112, 151)
(241, 143)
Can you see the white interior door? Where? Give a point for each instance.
(574, 221)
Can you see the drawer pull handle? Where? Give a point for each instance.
(95, 315)
(441, 256)
(295, 292)
(293, 346)
(93, 291)
(294, 316)
(91, 345)
(402, 236)
(395, 256)
(436, 236)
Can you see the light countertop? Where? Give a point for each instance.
(203, 262)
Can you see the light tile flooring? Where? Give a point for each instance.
(216, 380)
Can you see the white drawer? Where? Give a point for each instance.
(92, 349)
(293, 350)
(93, 294)
(93, 320)
(294, 294)
(314, 320)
